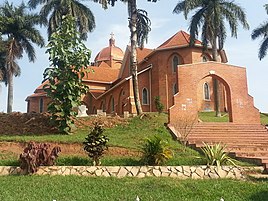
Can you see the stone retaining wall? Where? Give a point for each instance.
(182, 172)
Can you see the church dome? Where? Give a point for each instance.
(110, 53)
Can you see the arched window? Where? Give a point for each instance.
(145, 96)
(206, 92)
(94, 111)
(175, 63)
(112, 104)
(41, 105)
(175, 89)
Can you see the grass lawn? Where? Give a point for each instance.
(211, 117)
(75, 188)
(130, 136)
(264, 118)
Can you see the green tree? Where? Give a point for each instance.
(52, 11)
(67, 56)
(19, 28)
(139, 26)
(209, 17)
(262, 32)
(2, 60)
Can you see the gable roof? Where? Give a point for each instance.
(141, 55)
(181, 38)
(101, 74)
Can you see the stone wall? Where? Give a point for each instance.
(182, 172)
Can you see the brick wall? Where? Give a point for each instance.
(240, 104)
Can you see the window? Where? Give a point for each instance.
(175, 63)
(41, 105)
(175, 89)
(28, 106)
(206, 92)
(112, 104)
(145, 97)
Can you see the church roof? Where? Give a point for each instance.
(142, 53)
(181, 38)
(110, 52)
(36, 94)
(103, 74)
(39, 89)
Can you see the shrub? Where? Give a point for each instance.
(37, 154)
(183, 126)
(215, 155)
(95, 143)
(155, 151)
(158, 105)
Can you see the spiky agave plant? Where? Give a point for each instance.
(216, 155)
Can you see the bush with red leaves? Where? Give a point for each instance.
(38, 154)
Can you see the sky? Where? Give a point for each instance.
(241, 51)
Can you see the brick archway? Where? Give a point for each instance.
(226, 89)
(234, 79)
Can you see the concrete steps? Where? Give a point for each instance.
(245, 141)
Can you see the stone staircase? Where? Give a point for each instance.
(245, 141)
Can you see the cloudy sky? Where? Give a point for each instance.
(241, 51)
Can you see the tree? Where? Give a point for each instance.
(53, 10)
(19, 28)
(2, 60)
(210, 16)
(262, 31)
(139, 26)
(68, 56)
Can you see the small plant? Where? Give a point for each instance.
(37, 154)
(95, 143)
(215, 155)
(158, 105)
(184, 125)
(155, 151)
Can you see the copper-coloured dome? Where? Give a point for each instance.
(110, 53)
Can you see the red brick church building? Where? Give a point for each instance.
(110, 86)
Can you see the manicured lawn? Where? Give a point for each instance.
(264, 118)
(64, 188)
(211, 117)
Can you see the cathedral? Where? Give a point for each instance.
(162, 72)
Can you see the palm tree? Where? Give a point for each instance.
(139, 26)
(262, 31)
(210, 16)
(53, 10)
(2, 60)
(19, 28)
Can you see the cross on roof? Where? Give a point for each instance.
(112, 35)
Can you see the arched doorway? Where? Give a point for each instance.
(206, 99)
